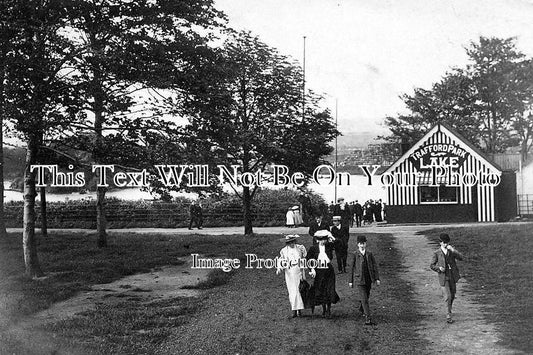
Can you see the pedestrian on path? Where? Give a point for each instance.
(323, 289)
(318, 224)
(443, 262)
(342, 237)
(364, 273)
(196, 215)
(290, 218)
(294, 256)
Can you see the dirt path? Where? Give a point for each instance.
(159, 284)
(470, 333)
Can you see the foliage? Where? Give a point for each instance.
(269, 209)
(245, 109)
(488, 102)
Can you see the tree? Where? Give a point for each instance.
(450, 101)
(499, 98)
(129, 49)
(245, 109)
(40, 99)
(487, 96)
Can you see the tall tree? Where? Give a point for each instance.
(40, 99)
(450, 101)
(131, 49)
(485, 101)
(8, 35)
(499, 97)
(245, 109)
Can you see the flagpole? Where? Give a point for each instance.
(303, 86)
(335, 181)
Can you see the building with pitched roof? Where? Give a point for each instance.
(444, 178)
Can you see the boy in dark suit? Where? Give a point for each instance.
(364, 273)
(443, 262)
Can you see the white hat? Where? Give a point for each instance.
(290, 238)
(322, 234)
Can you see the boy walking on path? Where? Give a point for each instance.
(364, 273)
(443, 262)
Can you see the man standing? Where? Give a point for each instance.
(196, 215)
(364, 273)
(443, 262)
(341, 209)
(317, 224)
(358, 211)
(342, 236)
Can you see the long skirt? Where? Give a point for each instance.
(293, 275)
(323, 289)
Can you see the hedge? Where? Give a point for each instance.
(268, 209)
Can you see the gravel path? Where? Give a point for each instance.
(470, 333)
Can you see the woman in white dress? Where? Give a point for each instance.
(293, 254)
(290, 218)
(298, 220)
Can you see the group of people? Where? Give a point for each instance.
(294, 217)
(355, 213)
(364, 269)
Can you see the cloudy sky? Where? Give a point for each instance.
(365, 53)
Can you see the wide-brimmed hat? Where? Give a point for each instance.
(340, 199)
(336, 218)
(322, 234)
(290, 238)
(295, 207)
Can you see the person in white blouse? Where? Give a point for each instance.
(293, 255)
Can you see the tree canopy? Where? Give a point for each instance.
(488, 101)
(246, 109)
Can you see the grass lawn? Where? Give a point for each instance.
(498, 267)
(244, 313)
(73, 263)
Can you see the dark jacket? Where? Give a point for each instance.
(439, 260)
(358, 277)
(313, 251)
(341, 235)
(314, 227)
(345, 214)
(358, 209)
(195, 210)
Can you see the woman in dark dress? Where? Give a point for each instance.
(323, 289)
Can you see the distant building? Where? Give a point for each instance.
(444, 178)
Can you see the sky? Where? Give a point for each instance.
(364, 54)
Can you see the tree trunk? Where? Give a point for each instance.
(100, 217)
(247, 211)
(524, 146)
(44, 218)
(3, 232)
(31, 260)
(97, 153)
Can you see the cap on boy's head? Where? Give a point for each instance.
(444, 238)
(336, 218)
(361, 239)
